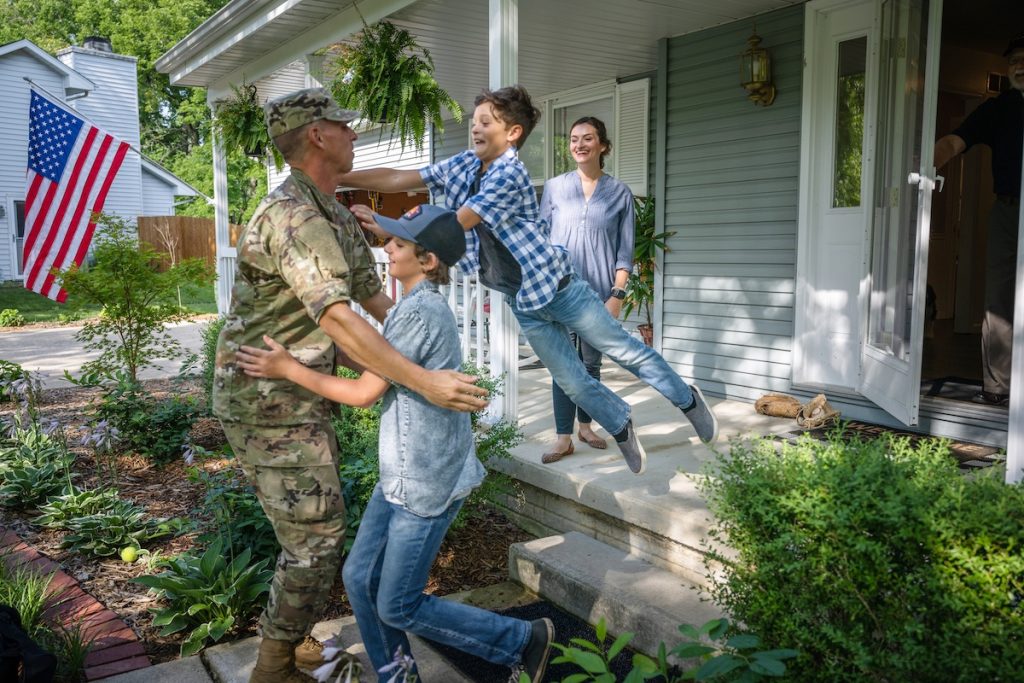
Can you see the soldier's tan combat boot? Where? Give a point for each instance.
(276, 664)
(309, 654)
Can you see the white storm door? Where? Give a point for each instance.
(904, 180)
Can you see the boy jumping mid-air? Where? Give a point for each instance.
(508, 244)
(428, 466)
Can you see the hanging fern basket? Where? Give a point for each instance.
(239, 123)
(389, 78)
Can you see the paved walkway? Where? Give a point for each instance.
(49, 351)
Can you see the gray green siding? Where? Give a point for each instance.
(730, 186)
(453, 140)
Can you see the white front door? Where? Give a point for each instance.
(904, 177)
(839, 82)
(866, 181)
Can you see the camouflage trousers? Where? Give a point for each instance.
(295, 472)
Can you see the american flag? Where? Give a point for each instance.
(71, 165)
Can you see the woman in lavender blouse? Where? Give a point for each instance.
(591, 214)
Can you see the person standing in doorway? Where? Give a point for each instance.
(302, 260)
(998, 123)
(590, 213)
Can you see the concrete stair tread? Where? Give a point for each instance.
(591, 580)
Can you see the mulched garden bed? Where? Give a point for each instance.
(472, 557)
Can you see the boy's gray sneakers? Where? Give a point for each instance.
(632, 452)
(701, 417)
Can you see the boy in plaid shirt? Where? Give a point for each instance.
(507, 244)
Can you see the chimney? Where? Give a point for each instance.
(98, 43)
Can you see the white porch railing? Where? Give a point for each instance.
(488, 340)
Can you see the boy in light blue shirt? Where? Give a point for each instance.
(509, 245)
(428, 466)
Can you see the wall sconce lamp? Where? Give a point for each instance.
(756, 72)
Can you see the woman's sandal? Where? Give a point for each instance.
(555, 456)
(596, 442)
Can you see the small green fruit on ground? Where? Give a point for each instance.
(129, 554)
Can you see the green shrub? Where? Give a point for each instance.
(105, 533)
(231, 513)
(723, 654)
(877, 560)
(137, 299)
(207, 594)
(155, 429)
(11, 317)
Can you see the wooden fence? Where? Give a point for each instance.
(184, 236)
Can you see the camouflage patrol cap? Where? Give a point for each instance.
(296, 109)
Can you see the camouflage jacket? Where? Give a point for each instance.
(301, 252)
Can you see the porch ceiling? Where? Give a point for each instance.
(562, 43)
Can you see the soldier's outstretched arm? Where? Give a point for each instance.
(445, 388)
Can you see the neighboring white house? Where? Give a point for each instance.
(103, 87)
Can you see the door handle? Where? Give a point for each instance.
(916, 178)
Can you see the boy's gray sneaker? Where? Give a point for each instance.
(701, 417)
(632, 452)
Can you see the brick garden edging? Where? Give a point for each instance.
(114, 647)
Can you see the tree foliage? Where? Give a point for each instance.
(174, 120)
(137, 299)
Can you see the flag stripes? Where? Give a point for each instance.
(71, 166)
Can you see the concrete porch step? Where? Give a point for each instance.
(592, 580)
(659, 516)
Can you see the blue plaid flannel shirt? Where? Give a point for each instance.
(507, 204)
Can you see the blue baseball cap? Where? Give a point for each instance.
(436, 228)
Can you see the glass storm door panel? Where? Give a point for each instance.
(903, 182)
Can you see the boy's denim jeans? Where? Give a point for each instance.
(567, 412)
(385, 574)
(577, 307)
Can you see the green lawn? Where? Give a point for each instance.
(35, 308)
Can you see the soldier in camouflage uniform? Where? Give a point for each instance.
(301, 260)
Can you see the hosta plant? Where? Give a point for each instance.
(207, 595)
(63, 509)
(104, 534)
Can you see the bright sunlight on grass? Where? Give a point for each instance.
(35, 308)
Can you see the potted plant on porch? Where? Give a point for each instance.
(640, 285)
(389, 78)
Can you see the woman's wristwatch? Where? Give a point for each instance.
(618, 292)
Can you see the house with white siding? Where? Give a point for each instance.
(102, 86)
(776, 280)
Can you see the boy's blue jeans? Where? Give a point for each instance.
(577, 307)
(385, 574)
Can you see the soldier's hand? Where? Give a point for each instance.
(454, 390)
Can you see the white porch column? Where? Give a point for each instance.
(1015, 428)
(225, 250)
(503, 62)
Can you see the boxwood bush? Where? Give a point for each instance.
(877, 560)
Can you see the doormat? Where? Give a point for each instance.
(566, 627)
(954, 388)
(969, 456)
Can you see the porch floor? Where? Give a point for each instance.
(659, 515)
